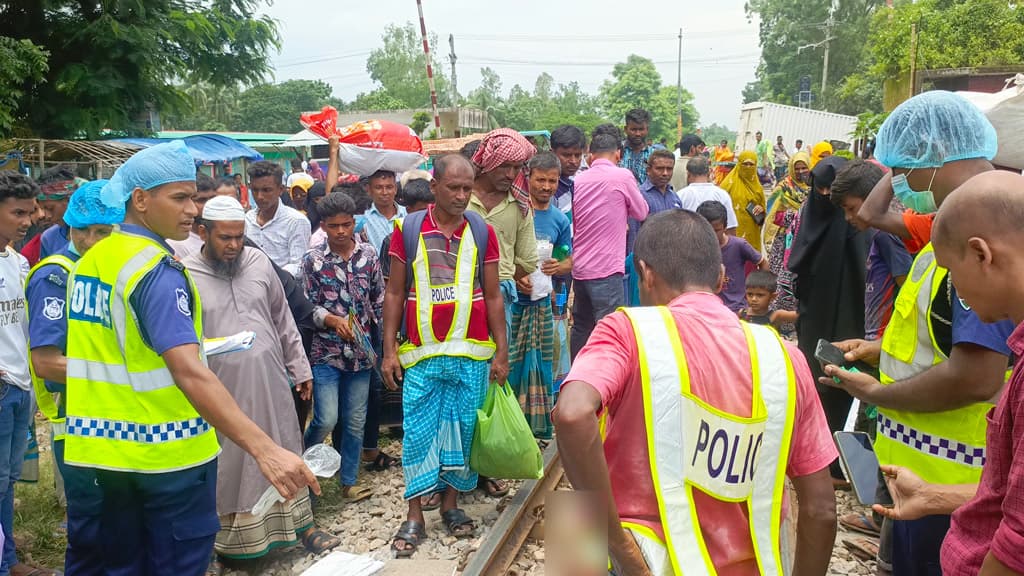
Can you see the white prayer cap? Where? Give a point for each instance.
(223, 208)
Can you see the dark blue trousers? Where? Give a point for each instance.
(132, 524)
(916, 545)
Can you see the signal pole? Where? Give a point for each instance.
(455, 86)
(430, 69)
(679, 90)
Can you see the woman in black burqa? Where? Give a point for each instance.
(829, 263)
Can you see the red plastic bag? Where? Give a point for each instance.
(370, 145)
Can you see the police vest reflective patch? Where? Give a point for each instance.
(442, 295)
(90, 301)
(694, 446)
(724, 450)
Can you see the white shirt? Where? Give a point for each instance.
(285, 238)
(13, 320)
(191, 245)
(699, 192)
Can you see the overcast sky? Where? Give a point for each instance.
(571, 40)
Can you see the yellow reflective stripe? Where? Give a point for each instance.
(674, 496)
(147, 381)
(465, 270)
(409, 354)
(44, 398)
(774, 369)
(120, 293)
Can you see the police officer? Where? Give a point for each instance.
(142, 406)
(704, 417)
(89, 221)
(941, 367)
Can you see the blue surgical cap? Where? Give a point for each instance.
(932, 129)
(149, 168)
(86, 209)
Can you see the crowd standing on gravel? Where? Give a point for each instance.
(656, 314)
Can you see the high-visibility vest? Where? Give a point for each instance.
(124, 411)
(694, 446)
(940, 447)
(44, 398)
(460, 292)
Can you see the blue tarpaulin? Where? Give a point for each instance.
(204, 147)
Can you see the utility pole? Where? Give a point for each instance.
(679, 90)
(455, 86)
(913, 59)
(828, 38)
(430, 69)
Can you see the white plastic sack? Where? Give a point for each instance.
(340, 563)
(365, 161)
(1005, 110)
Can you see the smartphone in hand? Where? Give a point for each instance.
(860, 466)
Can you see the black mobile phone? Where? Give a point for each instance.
(758, 218)
(860, 466)
(827, 353)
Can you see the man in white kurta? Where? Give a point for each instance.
(240, 292)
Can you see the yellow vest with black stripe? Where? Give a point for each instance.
(44, 398)
(124, 411)
(941, 447)
(460, 292)
(694, 446)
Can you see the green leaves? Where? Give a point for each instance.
(22, 63)
(636, 83)
(400, 67)
(110, 63)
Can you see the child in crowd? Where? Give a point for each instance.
(888, 261)
(762, 288)
(344, 284)
(736, 253)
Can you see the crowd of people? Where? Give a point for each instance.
(655, 313)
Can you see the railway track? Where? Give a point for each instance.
(523, 518)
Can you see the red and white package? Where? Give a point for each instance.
(368, 146)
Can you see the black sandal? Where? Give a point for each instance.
(493, 487)
(318, 541)
(411, 533)
(432, 503)
(455, 519)
(383, 462)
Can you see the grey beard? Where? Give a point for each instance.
(223, 268)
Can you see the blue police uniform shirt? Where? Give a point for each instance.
(46, 294)
(162, 301)
(53, 240)
(969, 329)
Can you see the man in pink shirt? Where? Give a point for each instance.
(604, 198)
(679, 266)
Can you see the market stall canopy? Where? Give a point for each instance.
(304, 138)
(204, 147)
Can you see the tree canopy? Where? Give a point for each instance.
(636, 83)
(399, 66)
(21, 63)
(108, 63)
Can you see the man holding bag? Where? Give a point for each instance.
(444, 276)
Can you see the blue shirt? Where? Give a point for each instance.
(162, 301)
(53, 240)
(378, 226)
(563, 196)
(550, 224)
(636, 162)
(656, 202)
(969, 329)
(48, 325)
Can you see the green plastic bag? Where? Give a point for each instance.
(503, 445)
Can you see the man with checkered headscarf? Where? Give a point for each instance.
(501, 196)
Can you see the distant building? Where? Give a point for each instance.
(982, 79)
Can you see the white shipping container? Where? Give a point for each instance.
(792, 123)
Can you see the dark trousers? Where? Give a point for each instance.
(135, 524)
(593, 300)
(302, 408)
(916, 545)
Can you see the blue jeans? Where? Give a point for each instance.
(340, 393)
(15, 412)
(916, 545)
(593, 300)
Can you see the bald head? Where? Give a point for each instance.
(989, 205)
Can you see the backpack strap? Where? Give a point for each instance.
(478, 226)
(411, 226)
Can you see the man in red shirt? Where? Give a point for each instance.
(619, 375)
(455, 324)
(977, 236)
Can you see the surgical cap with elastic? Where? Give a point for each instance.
(932, 129)
(149, 168)
(87, 209)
